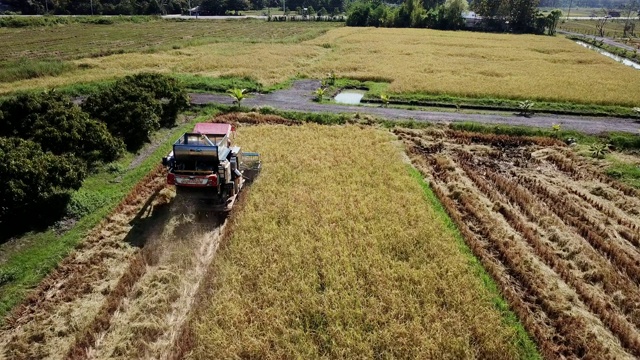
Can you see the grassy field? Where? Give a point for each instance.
(338, 254)
(79, 40)
(575, 11)
(613, 27)
(434, 62)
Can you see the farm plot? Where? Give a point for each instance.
(125, 292)
(458, 63)
(561, 239)
(76, 41)
(336, 254)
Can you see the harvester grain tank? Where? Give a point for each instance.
(207, 171)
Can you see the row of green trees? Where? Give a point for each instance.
(48, 144)
(521, 16)
(159, 7)
(412, 13)
(314, 7)
(97, 7)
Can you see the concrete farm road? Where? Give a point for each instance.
(605, 40)
(300, 98)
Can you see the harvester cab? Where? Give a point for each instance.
(207, 171)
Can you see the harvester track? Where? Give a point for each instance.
(125, 291)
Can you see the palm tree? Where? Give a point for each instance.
(237, 94)
(385, 100)
(319, 93)
(599, 150)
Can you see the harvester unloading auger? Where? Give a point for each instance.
(207, 170)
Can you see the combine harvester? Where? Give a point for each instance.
(207, 171)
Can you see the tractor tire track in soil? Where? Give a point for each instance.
(559, 238)
(126, 291)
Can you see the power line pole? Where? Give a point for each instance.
(569, 12)
(91, 7)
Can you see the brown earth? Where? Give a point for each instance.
(560, 238)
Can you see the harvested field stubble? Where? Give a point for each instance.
(336, 254)
(559, 237)
(125, 292)
(76, 295)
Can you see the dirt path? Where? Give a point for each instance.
(605, 40)
(125, 292)
(299, 98)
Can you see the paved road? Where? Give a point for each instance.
(605, 40)
(299, 98)
(193, 17)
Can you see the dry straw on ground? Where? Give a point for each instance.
(336, 254)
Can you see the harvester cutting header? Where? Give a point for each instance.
(207, 170)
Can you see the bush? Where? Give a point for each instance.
(59, 126)
(167, 90)
(137, 105)
(130, 114)
(36, 184)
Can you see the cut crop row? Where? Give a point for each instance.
(559, 334)
(571, 165)
(497, 175)
(500, 141)
(570, 330)
(572, 215)
(616, 323)
(513, 291)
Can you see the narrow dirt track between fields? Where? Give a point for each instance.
(126, 291)
(300, 98)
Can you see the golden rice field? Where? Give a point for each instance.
(343, 257)
(412, 60)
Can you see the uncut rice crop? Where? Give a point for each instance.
(337, 254)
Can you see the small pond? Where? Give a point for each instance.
(613, 56)
(350, 96)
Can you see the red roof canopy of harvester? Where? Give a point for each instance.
(212, 128)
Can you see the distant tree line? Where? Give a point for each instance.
(97, 7)
(607, 4)
(48, 144)
(161, 7)
(446, 14)
(520, 16)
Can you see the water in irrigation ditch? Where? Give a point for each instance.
(610, 55)
(351, 97)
